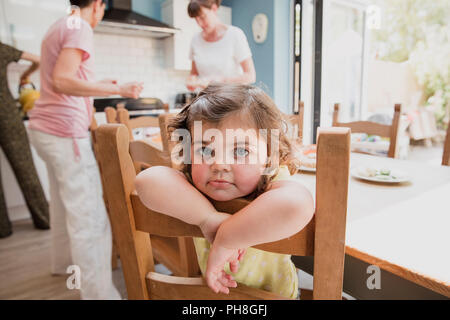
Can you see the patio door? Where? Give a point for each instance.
(344, 48)
(330, 61)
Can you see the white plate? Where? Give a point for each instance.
(400, 176)
(307, 169)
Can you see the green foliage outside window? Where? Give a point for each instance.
(419, 31)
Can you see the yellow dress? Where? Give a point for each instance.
(259, 269)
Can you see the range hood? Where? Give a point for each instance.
(120, 19)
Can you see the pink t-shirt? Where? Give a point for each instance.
(59, 114)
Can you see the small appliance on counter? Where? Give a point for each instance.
(136, 107)
(181, 99)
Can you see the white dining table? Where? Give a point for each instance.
(403, 228)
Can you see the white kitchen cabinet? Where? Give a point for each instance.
(23, 23)
(174, 13)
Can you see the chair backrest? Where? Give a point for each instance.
(446, 155)
(295, 124)
(178, 254)
(111, 115)
(373, 128)
(323, 237)
(164, 120)
(148, 155)
(93, 128)
(140, 122)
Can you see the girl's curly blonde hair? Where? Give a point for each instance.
(219, 101)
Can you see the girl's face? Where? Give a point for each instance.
(231, 168)
(207, 19)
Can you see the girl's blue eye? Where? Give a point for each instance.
(206, 151)
(241, 152)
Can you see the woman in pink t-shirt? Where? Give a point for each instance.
(59, 130)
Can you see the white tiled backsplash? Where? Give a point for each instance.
(126, 58)
(142, 59)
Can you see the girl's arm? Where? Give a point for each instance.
(283, 210)
(35, 60)
(66, 82)
(167, 190)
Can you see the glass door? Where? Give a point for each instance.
(304, 63)
(330, 57)
(344, 48)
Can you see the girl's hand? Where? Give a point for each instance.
(212, 223)
(216, 277)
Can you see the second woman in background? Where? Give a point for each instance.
(219, 53)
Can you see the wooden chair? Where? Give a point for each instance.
(94, 126)
(177, 254)
(111, 115)
(140, 122)
(446, 155)
(389, 131)
(164, 120)
(295, 124)
(121, 115)
(323, 237)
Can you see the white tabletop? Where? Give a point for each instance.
(405, 224)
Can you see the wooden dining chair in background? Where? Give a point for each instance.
(140, 122)
(111, 115)
(446, 155)
(373, 128)
(323, 237)
(164, 121)
(295, 124)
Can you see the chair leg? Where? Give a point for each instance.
(306, 294)
(188, 257)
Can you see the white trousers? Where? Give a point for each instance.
(80, 228)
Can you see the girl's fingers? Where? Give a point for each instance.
(220, 282)
(227, 281)
(241, 254)
(234, 266)
(212, 283)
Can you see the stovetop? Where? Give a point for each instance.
(130, 104)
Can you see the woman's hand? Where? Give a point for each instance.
(109, 81)
(216, 277)
(131, 90)
(35, 61)
(193, 82)
(24, 79)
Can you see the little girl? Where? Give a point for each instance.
(279, 208)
